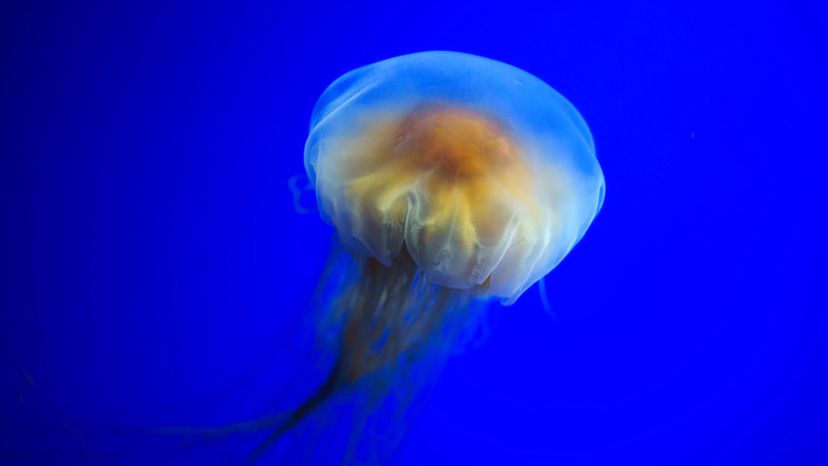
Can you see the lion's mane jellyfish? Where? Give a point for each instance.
(451, 180)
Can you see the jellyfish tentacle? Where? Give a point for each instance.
(297, 415)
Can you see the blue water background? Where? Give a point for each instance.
(155, 271)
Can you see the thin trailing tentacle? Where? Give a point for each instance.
(389, 316)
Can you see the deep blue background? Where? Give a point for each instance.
(154, 269)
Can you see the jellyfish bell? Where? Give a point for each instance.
(480, 171)
(450, 180)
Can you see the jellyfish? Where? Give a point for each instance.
(451, 180)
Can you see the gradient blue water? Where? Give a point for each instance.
(154, 267)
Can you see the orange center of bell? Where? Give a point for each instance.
(454, 143)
